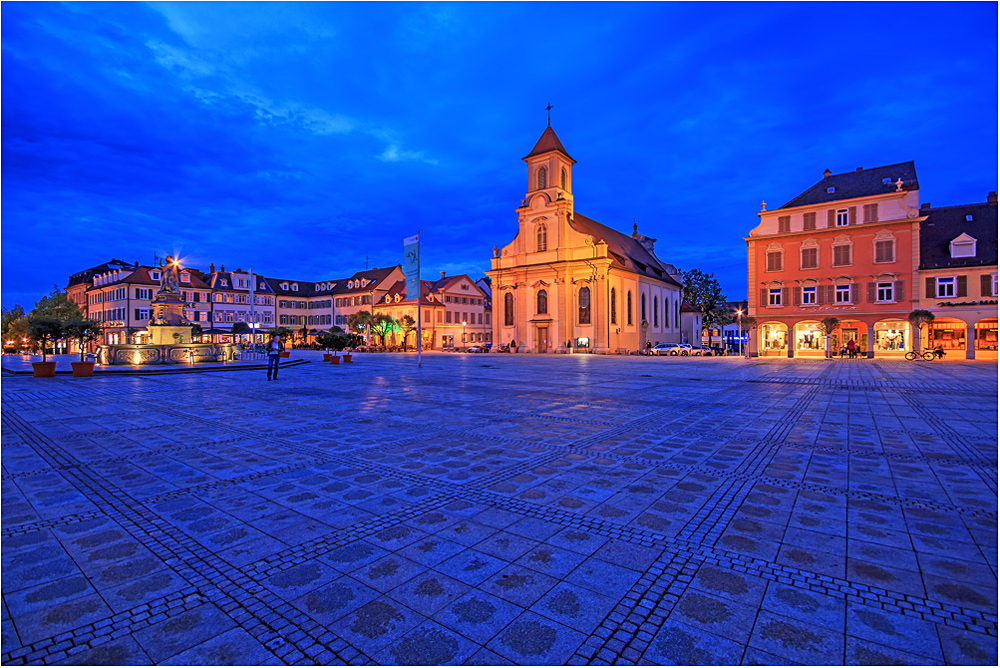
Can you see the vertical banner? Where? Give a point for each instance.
(411, 269)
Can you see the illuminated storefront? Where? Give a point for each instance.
(947, 333)
(892, 337)
(986, 335)
(809, 338)
(774, 338)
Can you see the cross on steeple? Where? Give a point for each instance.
(548, 113)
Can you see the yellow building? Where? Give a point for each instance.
(568, 283)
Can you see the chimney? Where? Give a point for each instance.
(211, 268)
(826, 173)
(222, 268)
(992, 197)
(442, 275)
(926, 206)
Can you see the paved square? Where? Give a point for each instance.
(505, 509)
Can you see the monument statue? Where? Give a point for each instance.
(170, 275)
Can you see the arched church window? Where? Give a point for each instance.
(677, 313)
(628, 304)
(614, 318)
(543, 302)
(542, 242)
(563, 179)
(584, 300)
(508, 309)
(543, 178)
(642, 309)
(656, 313)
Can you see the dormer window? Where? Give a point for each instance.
(963, 246)
(185, 278)
(295, 287)
(155, 275)
(284, 286)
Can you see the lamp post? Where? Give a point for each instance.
(739, 325)
(464, 347)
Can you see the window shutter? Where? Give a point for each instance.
(985, 285)
(871, 293)
(853, 213)
(897, 291)
(784, 296)
(831, 218)
(929, 287)
(763, 297)
(820, 294)
(797, 296)
(831, 294)
(963, 286)
(854, 293)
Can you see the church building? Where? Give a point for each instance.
(567, 283)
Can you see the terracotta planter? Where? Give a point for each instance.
(82, 369)
(326, 357)
(285, 355)
(44, 369)
(347, 358)
(334, 359)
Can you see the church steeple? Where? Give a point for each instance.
(550, 167)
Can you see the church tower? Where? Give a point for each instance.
(550, 169)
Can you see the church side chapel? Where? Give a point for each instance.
(567, 283)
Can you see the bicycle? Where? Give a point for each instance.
(928, 355)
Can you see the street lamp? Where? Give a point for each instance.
(739, 321)
(464, 347)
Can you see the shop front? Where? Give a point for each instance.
(773, 339)
(986, 339)
(809, 340)
(892, 338)
(946, 333)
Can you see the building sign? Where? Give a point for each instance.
(981, 302)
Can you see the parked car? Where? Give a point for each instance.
(684, 349)
(477, 349)
(665, 349)
(701, 351)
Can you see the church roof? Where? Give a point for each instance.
(546, 143)
(625, 251)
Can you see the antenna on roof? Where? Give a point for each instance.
(548, 114)
(366, 262)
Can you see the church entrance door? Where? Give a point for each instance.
(543, 339)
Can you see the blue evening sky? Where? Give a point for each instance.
(301, 138)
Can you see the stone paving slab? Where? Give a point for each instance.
(504, 509)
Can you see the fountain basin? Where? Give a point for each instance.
(175, 353)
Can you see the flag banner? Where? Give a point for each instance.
(411, 265)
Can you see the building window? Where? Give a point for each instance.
(809, 295)
(562, 180)
(447, 316)
(774, 297)
(155, 275)
(885, 251)
(784, 224)
(773, 261)
(642, 309)
(543, 178)
(841, 255)
(809, 221)
(810, 258)
(885, 292)
(870, 213)
(584, 300)
(628, 304)
(842, 218)
(543, 302)
(143, 293)
(508, 309)
(614, 300)
(946, 286)
(656, 313)
(541, 238)
(843, 294)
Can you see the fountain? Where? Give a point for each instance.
(169, 331)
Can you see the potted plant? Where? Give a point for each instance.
(918, 318)
(323, 340)
(829, 326)
(83, 332)
(337, 343)
(44, 330)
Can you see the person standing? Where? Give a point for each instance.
(852, 349)
(273, 355)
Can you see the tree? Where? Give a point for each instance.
(358, 321)
(282, 332)
(325, 340)
(702, 291)
(829, 326)
(380, 325)
(917, 318)
(83, 332)
(339, 341)
(407, 324)
(196, 330)
(9, 317)
(58, 305)
(304, 332)
(43, 331)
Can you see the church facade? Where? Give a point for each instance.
(567, 283)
